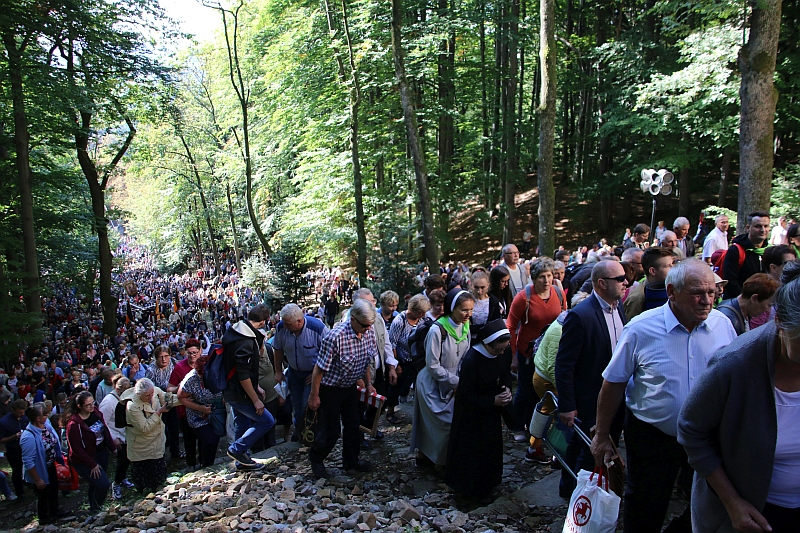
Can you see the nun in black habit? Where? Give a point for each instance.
(475, 454)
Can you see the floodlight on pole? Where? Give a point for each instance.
(655, 183)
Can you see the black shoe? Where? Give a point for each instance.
(249, 468)
(423, 461)
(242, 458)
(319, 470)
(366, 444)
(360, 466)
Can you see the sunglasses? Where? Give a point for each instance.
(620, 279)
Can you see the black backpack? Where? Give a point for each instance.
(416, 341)
(121, 414)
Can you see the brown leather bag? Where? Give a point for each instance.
(616, 468)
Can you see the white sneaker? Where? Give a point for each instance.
(12, 497)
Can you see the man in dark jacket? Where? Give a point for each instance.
(754, 243)
(588, 338)
(242, 345)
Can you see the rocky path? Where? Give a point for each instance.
(396, 496)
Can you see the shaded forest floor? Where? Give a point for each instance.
(477, 235)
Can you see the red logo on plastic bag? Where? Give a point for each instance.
(582, 511)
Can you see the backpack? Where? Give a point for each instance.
(121, 414)
(719, 263)
(214, 377)
(416, 341)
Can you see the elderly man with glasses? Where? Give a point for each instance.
(343, 363)
(519, 276)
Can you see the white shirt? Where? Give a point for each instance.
(613, 320)
(784, 488)
(778, 235)
(661, 361)
(715, 240)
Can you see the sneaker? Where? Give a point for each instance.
(12, 497)
(379, 435)
(366, 444)
(126, 483)
(242, 458)
(254, 467)
(319, 470)
(360, 466)
(116, 491)
(537, 456)
(520, 436)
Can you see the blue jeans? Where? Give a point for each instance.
(299, 391)
(249, 426)
(98, 487)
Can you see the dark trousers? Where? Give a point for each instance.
(781, 519)
(14, 456)
(47, 504)
(209, 441)
(122, 463)
(404, 381)
(268, 440)
(579, 456)
(525, 398)
(98, 487)
(173, 431)
(654, 459)
(337, 404)
(189, 443)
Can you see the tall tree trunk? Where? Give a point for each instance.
(547, 130)
(725, 171)
(355, 158)
(485, 144)
(418, 156)
(243, 96)
(759, 98)
(446, 96)
(14, 53)
(510, 124)
(193, 164)
(233, 229)
(97, 190)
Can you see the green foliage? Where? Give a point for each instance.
(713, 210)
(786, 193)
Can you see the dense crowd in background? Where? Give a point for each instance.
(621, 335)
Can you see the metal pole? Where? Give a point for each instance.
(653, 219)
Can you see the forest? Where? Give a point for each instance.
(376, 135)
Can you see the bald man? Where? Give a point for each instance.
(588, 338)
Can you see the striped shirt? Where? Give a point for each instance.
(398, 336)
(344, 356)
(661, 361)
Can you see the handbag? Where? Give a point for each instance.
(68, 478)
(592, 507)
(310, 427)
(218, 418)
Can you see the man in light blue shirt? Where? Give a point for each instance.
(299, 338)
(658, 359)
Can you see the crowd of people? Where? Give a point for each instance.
(621, 335)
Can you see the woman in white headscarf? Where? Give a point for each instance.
(445, 345)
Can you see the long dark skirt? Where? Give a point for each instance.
(148, 474)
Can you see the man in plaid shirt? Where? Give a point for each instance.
(343, 363)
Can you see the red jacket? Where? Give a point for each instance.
(82, 440)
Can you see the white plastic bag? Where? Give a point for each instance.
(592, 507)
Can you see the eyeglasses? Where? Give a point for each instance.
(363, 326)
(193, 352)
(619, 279)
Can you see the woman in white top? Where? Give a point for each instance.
(487, 306)
(108, 407)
